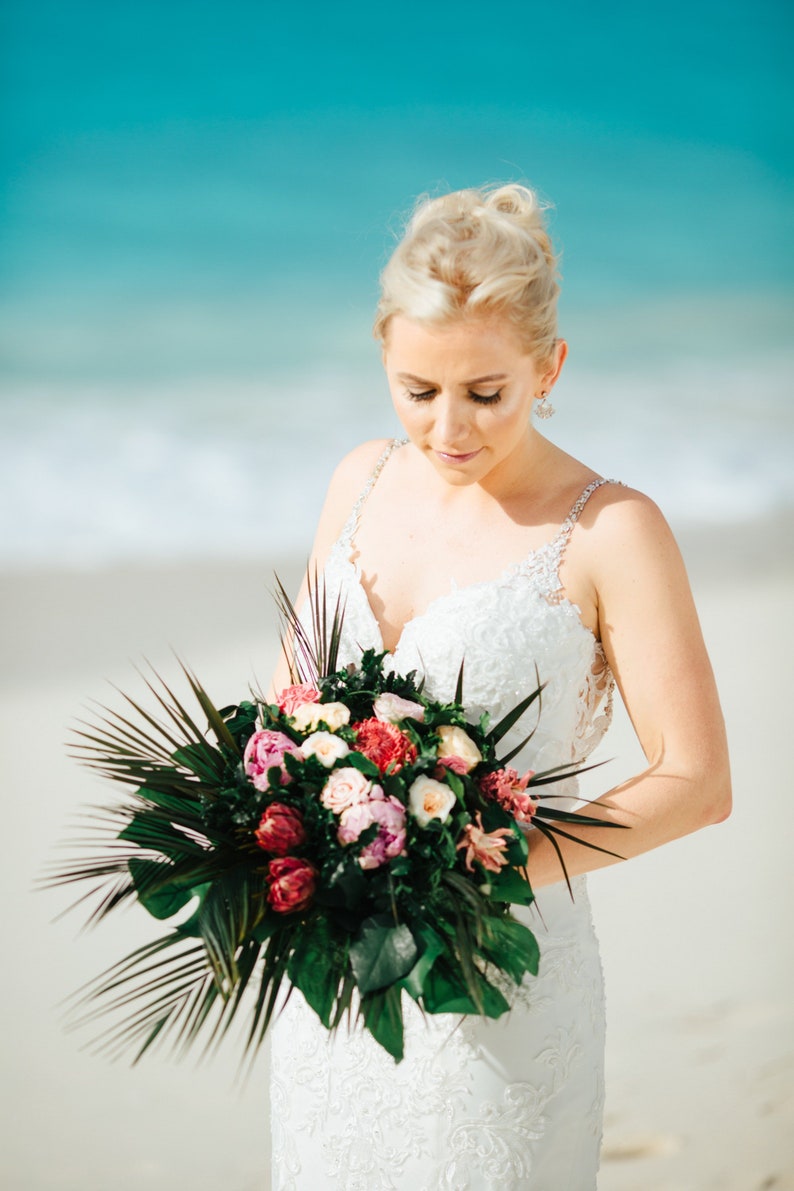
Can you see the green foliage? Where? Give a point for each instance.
(383, 1017)
(382, 953)
(320, 954)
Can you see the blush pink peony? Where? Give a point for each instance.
(265, 751)
(389, 814)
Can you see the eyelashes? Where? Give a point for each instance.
(478, 398)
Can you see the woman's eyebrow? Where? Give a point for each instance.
(479, 380)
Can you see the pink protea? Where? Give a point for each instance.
(510, 791)
(266, 750)
(486, 847)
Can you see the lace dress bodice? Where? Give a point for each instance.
(510, 631)
(475, 1104)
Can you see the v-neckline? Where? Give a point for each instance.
(508, 573)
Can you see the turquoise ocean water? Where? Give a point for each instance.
(197, 199)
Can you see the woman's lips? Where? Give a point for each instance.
(450, 457)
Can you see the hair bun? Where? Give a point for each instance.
(474, 252)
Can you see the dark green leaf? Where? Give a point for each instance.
(445, 992)
(363, 765)
(432, 945)
(512, 946)
(383, 1017)
(508, 885)
(459, 684)
(315, 965)
(512, 717)
(161, 890)
(382, 953)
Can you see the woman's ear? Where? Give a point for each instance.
(555, 368)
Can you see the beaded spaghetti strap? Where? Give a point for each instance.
(543, 565)
(567, 526)
(348, 534)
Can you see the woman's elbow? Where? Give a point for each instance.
(718, 802)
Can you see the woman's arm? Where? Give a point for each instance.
(652, 639)
(344, 489)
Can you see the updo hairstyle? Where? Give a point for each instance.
(476, 253)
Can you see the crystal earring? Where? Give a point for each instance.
(543, 408)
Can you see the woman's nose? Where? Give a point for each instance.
(452, 424)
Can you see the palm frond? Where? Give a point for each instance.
(315, 653)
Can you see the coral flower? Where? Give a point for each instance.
(385, 745)
(486, 847)
(510, 791)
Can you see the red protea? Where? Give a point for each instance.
(291, 884)
(280, 829)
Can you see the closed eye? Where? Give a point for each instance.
(480, 398)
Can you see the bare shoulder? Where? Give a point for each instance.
(346, 485)
(620, 525)
(353, 470)
(351, 474)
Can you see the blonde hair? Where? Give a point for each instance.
(476, 253)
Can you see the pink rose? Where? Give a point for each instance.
(389, 814)
(295, 696)
(280, 829)
(345, 788)
(291, 884)
(486, 847)
(266, 750)
(510, 791)
(456, 764)
(393, 708)
(384, 744)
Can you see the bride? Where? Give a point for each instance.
(478, 538)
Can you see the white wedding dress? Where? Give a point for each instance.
(483, 1105)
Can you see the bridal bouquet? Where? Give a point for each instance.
(353, 839)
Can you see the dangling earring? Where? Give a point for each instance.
(543, 408)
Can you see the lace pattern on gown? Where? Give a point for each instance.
(514, 1104)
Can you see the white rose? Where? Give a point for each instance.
(429, 799)
(392, 708)
(345, 788)
(455, 743)
(309, 715)
(327, 748)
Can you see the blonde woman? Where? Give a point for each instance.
(478, 538)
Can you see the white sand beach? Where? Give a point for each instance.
(696, 946)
